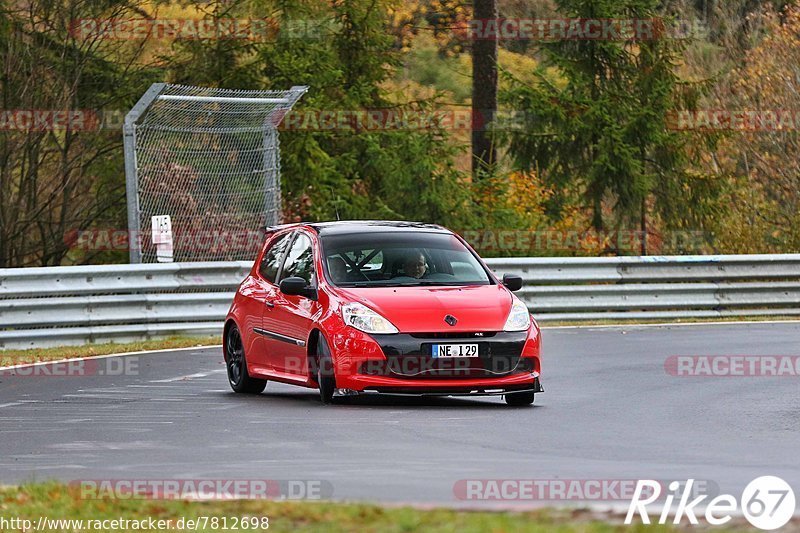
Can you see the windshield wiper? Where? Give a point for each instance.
(433, 282)
(429, 283)
(418, 283)
(372, 284)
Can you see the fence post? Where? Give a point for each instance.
(131, 176)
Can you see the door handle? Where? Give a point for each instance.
(268, 303)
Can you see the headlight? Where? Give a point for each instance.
(519, 319)
(362, 317)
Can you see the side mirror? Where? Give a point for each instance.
(298, 287)
(512, 282)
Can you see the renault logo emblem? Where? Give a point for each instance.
(451, 320)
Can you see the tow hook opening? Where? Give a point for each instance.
(344, 392)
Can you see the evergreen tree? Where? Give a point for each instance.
(597, 128)
(394, 172)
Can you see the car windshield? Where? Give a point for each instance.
(399, 259)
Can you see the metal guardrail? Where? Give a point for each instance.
(90, 304)
(657, 287)
(54, 306)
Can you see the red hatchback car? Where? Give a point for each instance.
(364, 307)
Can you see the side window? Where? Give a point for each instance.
(300, 259)
(272, 259)
(376, 263)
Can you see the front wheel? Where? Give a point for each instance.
(325, 375)
(236, 363)
(517, 399)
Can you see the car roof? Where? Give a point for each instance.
(343, 227)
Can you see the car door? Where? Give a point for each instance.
(268, 271)
(293, 315)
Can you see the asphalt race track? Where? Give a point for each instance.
(610, 412)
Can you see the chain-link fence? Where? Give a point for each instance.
(209, 159)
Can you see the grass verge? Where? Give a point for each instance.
(15, 357)
(58, 501)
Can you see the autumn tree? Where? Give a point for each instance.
(62, 172)
(761, 152)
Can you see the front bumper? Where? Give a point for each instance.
(439, 390)
(403, 363)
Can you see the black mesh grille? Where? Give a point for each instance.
(455, 335)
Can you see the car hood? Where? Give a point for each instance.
(422, 309)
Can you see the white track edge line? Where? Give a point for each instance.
(106, 356)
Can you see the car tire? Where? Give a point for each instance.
(326, 378)
(518, 399)
(236, 363)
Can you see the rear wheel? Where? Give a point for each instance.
(325, 375)
(236, 363)
(517, 399)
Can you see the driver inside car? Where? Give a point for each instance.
(338, 268)
(415, 266)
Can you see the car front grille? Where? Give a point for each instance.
(455, 335)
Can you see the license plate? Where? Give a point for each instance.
(454, 350)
